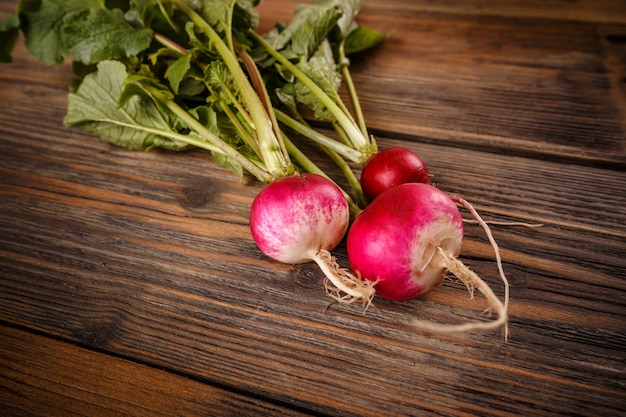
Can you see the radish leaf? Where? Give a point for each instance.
(42, 23)
(176, 72)
(320, 68)
(361, 39)
(310, 25)
(9, 31)
(137, 125)
(102, 34)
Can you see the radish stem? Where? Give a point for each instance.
(277, 161)
(299, 127)
(356, 137)
(193, 123)
(354, 99)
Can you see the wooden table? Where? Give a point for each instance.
(130, 285)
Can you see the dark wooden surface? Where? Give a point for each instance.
(130, 285)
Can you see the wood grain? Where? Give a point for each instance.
(124, 260)
(522, 78)
(129, 283)
(36, 382)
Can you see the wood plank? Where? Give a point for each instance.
(44, 377)
(147, 256)
(502, 84)
(595, 11)
(602, 11)
(105, 247)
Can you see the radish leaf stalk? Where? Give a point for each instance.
(345, 121)
(272, 150)
(311, 57)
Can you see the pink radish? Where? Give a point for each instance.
(301, 218)
(391, 167)
(407, 239)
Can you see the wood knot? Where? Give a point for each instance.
(99, 334)
(199, 196)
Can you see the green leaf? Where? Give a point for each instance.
(198, 42)
(308, 28)
(54, 29)
(228, 163)
(227, 15)
(220, 81)
(139, 8)
(220, 126)
(348, 8)
(320, 68)
(9, 31)
(155, 14)
(361, 39)
(137, 124)
(102, 34)
(244, 15)
(207, 116)
(176, 72)
(42, 24)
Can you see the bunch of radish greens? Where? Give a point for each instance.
(174, 74)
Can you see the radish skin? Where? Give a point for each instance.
(391, 167)
(301, 218)
(406, 241)
(394, 240)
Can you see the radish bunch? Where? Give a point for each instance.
(400, 246)
(208, 86)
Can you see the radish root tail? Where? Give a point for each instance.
(498, 223)
(495, 247)
(473, 281)
(342, 285)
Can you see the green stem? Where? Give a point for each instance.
(349, 175)
(343, 136)
(232, 99)
(241, 129)
(344, 150)
(259, 86)
(346, 122)
(276, 161)
(356, 105)
(261, 174)
(354, 98)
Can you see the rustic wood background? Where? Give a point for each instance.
(130, 285)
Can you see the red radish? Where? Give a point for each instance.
(299, 219)
(407, 239)
(394, 240)
(391, 167)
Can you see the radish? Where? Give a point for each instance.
(407, 239)
(301, 218)
(391, 167)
